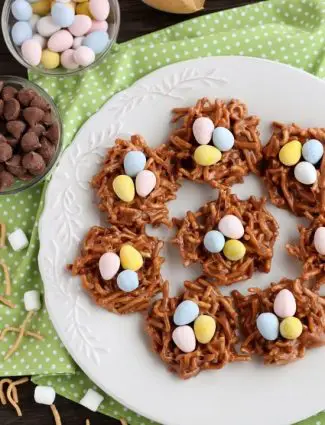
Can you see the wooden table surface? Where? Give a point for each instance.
(137, 19)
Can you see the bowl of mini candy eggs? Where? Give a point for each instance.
(60, 37)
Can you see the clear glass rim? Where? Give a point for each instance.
(63, 72)
(37, 179)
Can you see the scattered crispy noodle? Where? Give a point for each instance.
(2, 393)
(22, 330)
(35, 335)
(12, 395)
(123, 422)
(56, 415)
(3, 231)
(6, 302)
(7, 278)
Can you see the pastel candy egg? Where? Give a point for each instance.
(77, 42)
(268, 326)
(231, 227)
(20, 32)
(84, 56)
(204, 328)
(123, 187)
(60, 41)
(207, 155)
(145, 183)
(305, 173)
(214, 241)
(67, 60)
(81, 25)
(284, 304)
(50, 60)
(223, 139)
(98, 26)
(312, 151)
(80, 1)
(46, 27)
(234, 250)
(319, 240)
(33, 22)
(31, 52)
(62, 15)
(128, 280)
(96, 41)
(131, 258)
(40, 40)
(42, 8)
(109, 264)
(83, 9)
(291, 328)
(184, 338)
(134, 162)
(21, 10)
(99, 9)
(290, 153)
(186, 312)
(202, 130)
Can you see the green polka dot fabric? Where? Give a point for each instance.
(288, 31)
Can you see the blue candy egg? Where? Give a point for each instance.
(223, 139)
(20, 32)
(62, 15)
(134, 162)
(21, 10)
(268, 326)
(128, 280)
(186, 312)
(214, 241)
(96, 41)
(312, 151)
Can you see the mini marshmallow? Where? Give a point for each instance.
(44, 395)
(32, 300)
(91, 400)
(18, 240)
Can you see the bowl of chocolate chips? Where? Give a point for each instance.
(30, 134)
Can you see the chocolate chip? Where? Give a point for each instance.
(5, 152)
(34, 163)
(25, 96)
(47, 150)
(11, 109)
(6, 179)
(38, 129)
(33, 115)
(30, 142)
(16, 128)
(40, 102)
(1, 107)
(8, 92)
(14, 166)
(12, 141)
(53, 133)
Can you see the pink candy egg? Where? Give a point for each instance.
(67, 60)
(319, 240)
(145, 183)
(60, 41)
(84, 56)
(203, 129)
(32, 52)
(231, 227)
(81, 25)
(285, 304)
(99, 9)
(77, 42)
(98, 26)
(109, 264)
(184, 338)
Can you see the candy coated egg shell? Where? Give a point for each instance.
(290, 153)
(184, 338)
(50, 60)
(284, 304)
(134, 162)
(186, 312)
(60, 41)
(231, 227)
(32, 52)
(20, 32)
(99, 9)
(109, 264)
(42, 8)
(96, 41)
(131, 258)
(319, 240)
(204, 328)
(84, 56)
(80, 26)
(223, 139)
(21, 10)
(202, 130)
(62, 15)
(312, 151)
(67, 60)
(268, 326)
(291, 328)
(98, 26)
(123, 185)
(128, 281)
(83, 9)
(46, 27)
(234, 250)
(145, 183)
(214, 241)
(305, 173)
(207, 155)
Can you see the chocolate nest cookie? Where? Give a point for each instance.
(136, 211)
(310, 311)
(215, 354)
(285, 191)
(235, 160)
(107, 293)
(258, 234)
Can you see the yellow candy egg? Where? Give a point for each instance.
(124, 188)
(207, 155)
(80, 1)
(291, 328)
(234, 250)
(83, 9)
(290, 153)
(204, 328)
(131, 259)
(41, 8)
(49, 59)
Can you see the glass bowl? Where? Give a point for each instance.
(20, 185)
(7, 21)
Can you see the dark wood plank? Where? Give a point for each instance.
(137, 19)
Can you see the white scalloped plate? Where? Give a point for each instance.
(113, 351)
